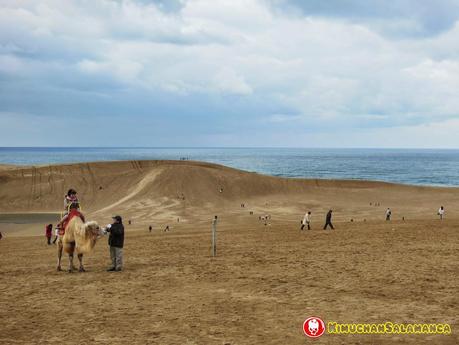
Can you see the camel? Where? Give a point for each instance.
(79, 237)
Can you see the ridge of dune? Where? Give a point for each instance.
(8, 167)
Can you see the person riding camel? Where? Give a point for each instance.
(70, 202)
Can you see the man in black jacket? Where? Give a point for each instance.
(328, 220)
(116, 242)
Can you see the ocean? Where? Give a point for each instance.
(409, 166)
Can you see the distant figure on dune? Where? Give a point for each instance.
(306, 220)
(328, 218)
(150, 228)
(116, 243)
(1, 236)
(49, 233)
(388, 214)
(166, 228)
(441, 212)
(267, 218)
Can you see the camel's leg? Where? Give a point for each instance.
(70, 249)
(71, 266)
(59, 255)
(80, 258)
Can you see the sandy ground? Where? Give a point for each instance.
(265, 281)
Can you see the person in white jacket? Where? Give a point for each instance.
(441, 212)
(388, 214)
(306, 220)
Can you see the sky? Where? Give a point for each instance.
(230, 73)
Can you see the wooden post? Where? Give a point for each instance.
(214, 236)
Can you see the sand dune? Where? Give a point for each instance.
(160, 191)
(265, 280)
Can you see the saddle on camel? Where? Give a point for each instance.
(74, 212)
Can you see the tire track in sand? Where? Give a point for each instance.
(149, 177)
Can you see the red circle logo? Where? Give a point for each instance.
(313, 327)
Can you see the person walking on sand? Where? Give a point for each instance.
(116, 243)
(49, 233)
(328, 218)
(441, 212)
(306, 220)
(388, 214)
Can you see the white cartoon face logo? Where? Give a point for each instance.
(313, 327)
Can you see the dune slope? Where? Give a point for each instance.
(163, 190)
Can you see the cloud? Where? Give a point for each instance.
(402, 18)
(204, 69)
(227, 80)
(281, 118)
(430, 135)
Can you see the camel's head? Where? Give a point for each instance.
(86, 239)
(92, 229)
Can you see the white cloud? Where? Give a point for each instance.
(227, 80)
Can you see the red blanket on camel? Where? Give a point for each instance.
(73, 213)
